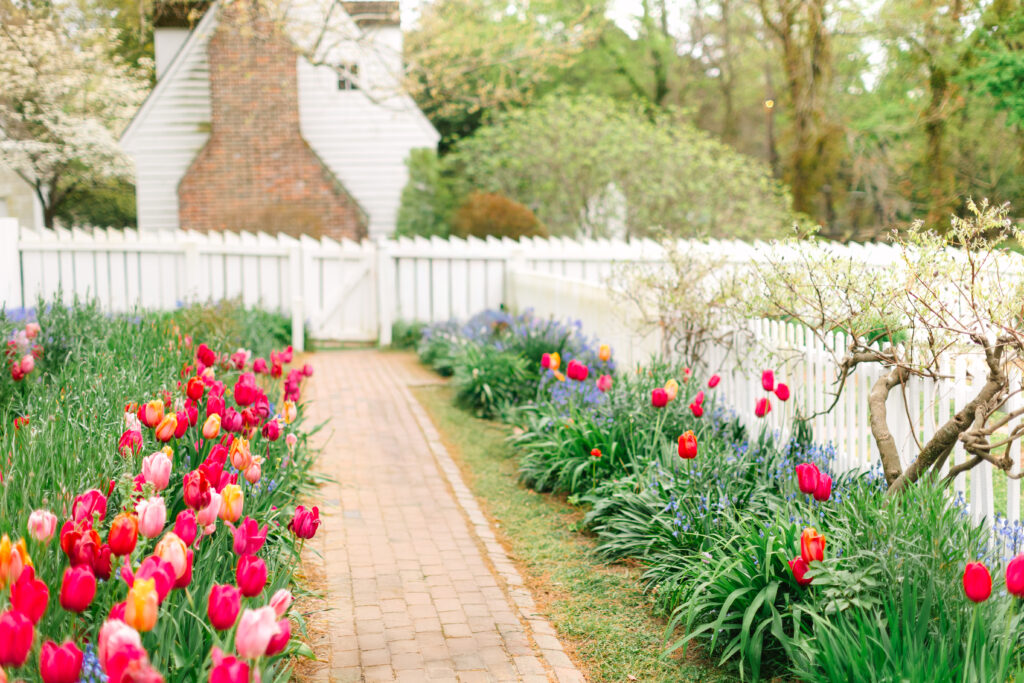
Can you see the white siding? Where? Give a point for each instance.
(363, 142)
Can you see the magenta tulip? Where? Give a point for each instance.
(977, 582)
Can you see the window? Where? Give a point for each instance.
(348, 76)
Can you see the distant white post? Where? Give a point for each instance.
(10, 264)
(190, 291)
(298, 306)
(385, 291)
(515, 263)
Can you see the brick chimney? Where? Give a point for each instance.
(256, 171)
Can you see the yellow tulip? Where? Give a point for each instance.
(604, 352)
(672, 388)
(556, 360)
(141, 605)
(241, 458)
(231, 502)
(289, 412)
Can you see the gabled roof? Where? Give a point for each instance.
(200, 33)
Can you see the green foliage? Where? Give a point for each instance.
(406, 335)
(488, 380)
(594, 166)
(486, 214)
(428, 198)
(110, 204)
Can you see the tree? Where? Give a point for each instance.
(428, 198)
(952, 294)
(63, 103)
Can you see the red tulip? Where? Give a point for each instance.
(195, 389)
(228, 669)
(223, 606)
(60, 664)
(688, 446)
(90, 503)
(768, 380)
(977, 582)
(205, 355)
(799, 568)
(595, 452)
(696, 409)
(659, 398)
(280, 640)
(812, 545)
(824, 488)
(246, 390)
(305, 522)
(259, 366)
(713, 382)
(271, 430)
(130, 442)
(807, 476)
(251, 575)
(123, 534)
(78, 588)
(29, 595)
(16, 635)
(1015, 576)
(782, 391)
(196, 490)
(185, 526)
(763, 407)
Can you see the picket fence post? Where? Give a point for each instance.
(298, 298)
(385, 266)
(10, 263)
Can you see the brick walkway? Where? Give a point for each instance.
(418, 587)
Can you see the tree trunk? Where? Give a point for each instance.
(940, 175)
(887, 450)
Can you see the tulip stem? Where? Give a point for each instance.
(970, 643)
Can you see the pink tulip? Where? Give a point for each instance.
(223, 605)
(251, 575)
(156, 469)
(305, 522)
(32, 330)
(713, 382)
(1014, 577)
(208, 515)
(28, 364)
(280, 639)
(16, 635)
(255, 630)
(185, 526)
(41, 525)
(249, 536)
(763, 407)
(253, 473)
(78, 588)
(60, 664)
(782, 391)
(768, 380)
(152, 514)
(130, 442)
(604, 383)
(228, 669)
(281, 601)
(87, 505)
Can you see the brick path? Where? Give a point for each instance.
(418, 587)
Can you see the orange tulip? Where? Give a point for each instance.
(13, 558)
(165, 430)
(152, 413)
(141, 605)
(604, 352)
(241, 458)
(556, 360)
(559, 376)
(289, 412)
(672, 389)
(812, 545)
(231, 503)
(172, 549)
(211, 428)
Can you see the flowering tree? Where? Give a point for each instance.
(63, 103)
(958, 293)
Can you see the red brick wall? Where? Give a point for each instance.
(256, 171)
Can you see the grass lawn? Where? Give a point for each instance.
(599, 611)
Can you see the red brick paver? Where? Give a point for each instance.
(419, 589)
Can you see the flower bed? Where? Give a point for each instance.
(755, 548)
(149, 496)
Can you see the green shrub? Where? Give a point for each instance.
(405, 334)
(488, 381)
(485, 214)
(428, 198)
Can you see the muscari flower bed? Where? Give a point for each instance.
(150, 492)
(752, 547)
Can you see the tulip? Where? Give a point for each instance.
(604, 383)
(193, 413)
(812, 545)
(117, 611)
(185, 526)
(307, 370)
(305, 522)
(659, 398)
(281, 601)
(713, 382)
(152, 413)
(823, 490)
(977, 582)
(763, 407)
(29, 596)
(255, 630)
(13, 559)
(223, 606)
(251, 575)
(60, 664)
(16, 635)
(1015, 576)
(165, 430)
(604, 352)
(555, 361)
(205, 355)
(186, 578)
(172, 549)
(246, 390)
(696, 409)
(259, 366)
(215, 405)
(156, 469)
(32, 330)
(241, 458)
(671, 389)
(231, 503)
(253, 474)
(228, 669)
(208, 515)
(195, 389)
(28, 364)
(16, 374)
(239, 358)
(559, 376)
(162, 573)
(116, 640)
(688, 446)
(279, 641)
(211, 428)
(291, 439)
(101, 562)
(782, 391)
(249, 537)
(799, 568)
(595, 452)
(130, 443)
(768, 380)
(181, 426)
(90, 504)
(152, 514)
(78, 588)
(271, 430)
(123, 534)
(141, 605)
(41, 525)
(807, 476)
(545, 360)
(289, 412)
(196, 490)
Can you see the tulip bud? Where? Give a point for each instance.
(688, 446)
(1015, 576)
(41, 525)
(807, 476)
(812, 545)
(782, 391)
(305, 522)
(977, 582)
(156, 469)
(762, 407)
(185, 526)
(123, 534)
(671, 389)
(604, 383)
(659, 398)
(60, 664)
(211, 428)
(141, 605)
(823, 490)
(231, 503)
(78, 588)
(251, 575)
(768, 380)
(799, 568)
(195, 389)
(223, 606)
(152, 514)
(16, 635)
(604, 352)
(281, 601)
(713, 381)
